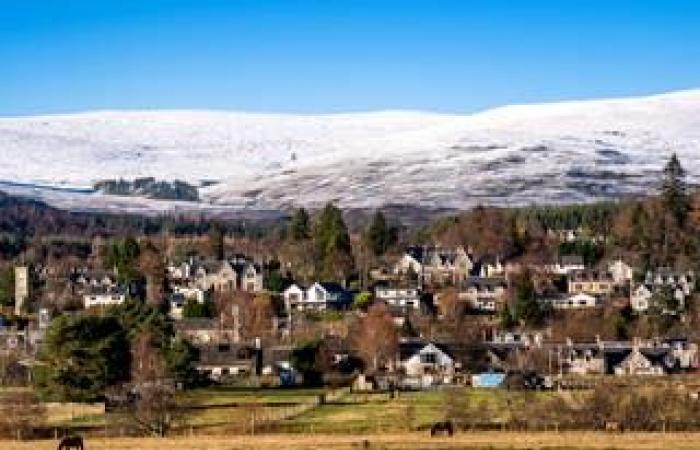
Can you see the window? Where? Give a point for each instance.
(428, 358)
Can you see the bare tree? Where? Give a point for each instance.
(152, 265)
(376, 339)
(149, 399)
(249, 315)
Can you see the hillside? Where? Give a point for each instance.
(562, 152)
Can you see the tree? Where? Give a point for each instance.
(193, 308)
(7, 286)
(379, 235)
(123, 256)
(299, 229)
(152, 266)
(527, 308)
(376, 339)
(362, 300)
(451, 308)
(149, 397)
(249, 315)
(84, 355)
(332, 244)
(674, 190)
(312, 360)
(139, 318)
(216, 241)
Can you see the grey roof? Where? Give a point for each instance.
(571, 260)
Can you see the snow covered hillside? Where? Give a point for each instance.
(574, 151)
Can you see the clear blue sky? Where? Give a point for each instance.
(339, 55)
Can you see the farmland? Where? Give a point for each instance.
(411, 441)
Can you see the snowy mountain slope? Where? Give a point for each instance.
(574, 151)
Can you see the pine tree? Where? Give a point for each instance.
(675, 191)
(299, 225)
(332, 242)
(378, 234)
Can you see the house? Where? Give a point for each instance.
(249, 274)
(237, 273)
(583, 359)
(320, 296)
(218, 276)
(665, 276)
(640, 362)
(425, 363)
(102, 296)
(566, 264)
(294, 297)
(224, 360)
(593, 282)
(489, 266)
(640, 298)
(621, 272)
(325, 296)
(404, 298)
(85, 279)
(190, 293)
(435, 265)
(203, 331)
(483, 294)
(180, 296)
(662, 282)
(576, 301)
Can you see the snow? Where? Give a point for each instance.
(572, 151)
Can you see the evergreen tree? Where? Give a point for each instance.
(84, 355)
(527, 308)
(332, 243)
(675, 191)
(378, 234)
(216, 241)
(299, 225)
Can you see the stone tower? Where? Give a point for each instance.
(21, 287)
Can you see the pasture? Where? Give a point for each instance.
(394, 441)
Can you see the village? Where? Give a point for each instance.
(135, 323)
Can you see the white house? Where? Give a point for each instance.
(566, 264)
(681, 286)
(483, 294)
(405, 298)
(640, 298)
(638, 362)
(318, 297)
(425, 362)
(621, 272)
(576, 301)
(294, 297)
(103, 297)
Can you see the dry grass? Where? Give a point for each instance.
(414, 441)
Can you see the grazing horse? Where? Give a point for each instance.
(71, 443)
(442, 427)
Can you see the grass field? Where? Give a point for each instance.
(408, 441)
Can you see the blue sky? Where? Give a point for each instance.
(339, 55)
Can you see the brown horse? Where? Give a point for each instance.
(71, 443)
(442, 427)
